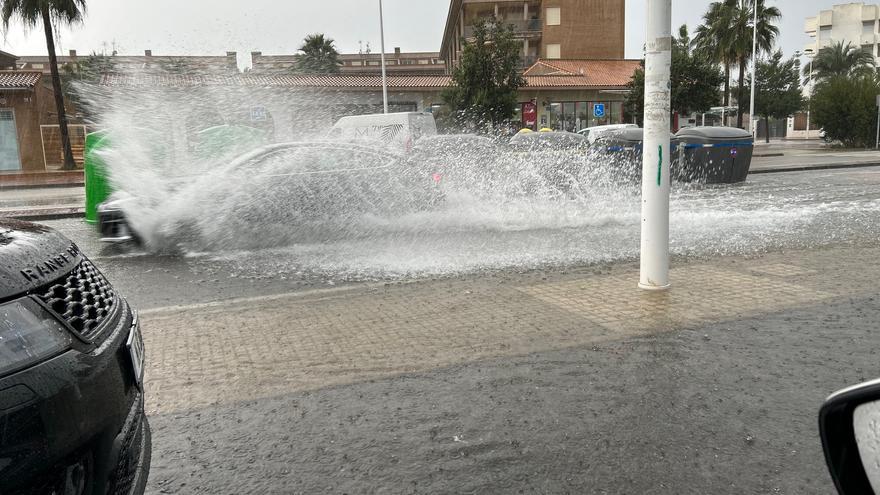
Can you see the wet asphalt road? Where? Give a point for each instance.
(725, 409)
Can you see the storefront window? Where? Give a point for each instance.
(574, 116)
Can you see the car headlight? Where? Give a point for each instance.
(28, 334)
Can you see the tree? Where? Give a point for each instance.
(730, 27)
(778, 93)
(742, 39)
(485, 82)
(319, 55)
(844, 107)
(695, 81)
(840, 59)
(85, 70)
(48, 12)
(712, 42)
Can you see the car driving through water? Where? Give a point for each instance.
(71, 372)
(298, 184)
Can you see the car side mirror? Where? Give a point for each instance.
(849, 423)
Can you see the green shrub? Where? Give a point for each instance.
(845, 107)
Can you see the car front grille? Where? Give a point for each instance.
(83, 298)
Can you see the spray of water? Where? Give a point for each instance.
(288, 201)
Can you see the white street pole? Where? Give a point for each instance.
(656, 150)
(810, 97)
(877, 144)
(752, 120)
(384, 75)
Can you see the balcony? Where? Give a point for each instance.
(521, 27)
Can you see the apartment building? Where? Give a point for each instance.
(549, 29)
(855, 23)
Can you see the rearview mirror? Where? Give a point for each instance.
(849, 423)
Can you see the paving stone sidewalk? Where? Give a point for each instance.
(263, 347)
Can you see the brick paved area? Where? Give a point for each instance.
(260, 348)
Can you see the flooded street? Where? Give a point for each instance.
(469, 236)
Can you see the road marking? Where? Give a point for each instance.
(323, 293)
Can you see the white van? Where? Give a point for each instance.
(398, 130)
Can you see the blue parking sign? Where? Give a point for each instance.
(599, 110)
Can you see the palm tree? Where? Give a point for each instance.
(319, 55)
(841, 59)
(726, 37)
(31, 13)
(711, 39)
(742, 40)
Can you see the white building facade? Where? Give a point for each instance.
(856, 23)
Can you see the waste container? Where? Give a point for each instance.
(717, 155)
(623, 147)
(97, 186)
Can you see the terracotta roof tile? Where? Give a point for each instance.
(582, 73)
(544, 74)
(17, 79)
(274, 80)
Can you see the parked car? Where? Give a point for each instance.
(461, 158)
(554, 159)
(547, 141)
(594, 133)
(71, 372)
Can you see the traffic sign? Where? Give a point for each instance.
(599, 110)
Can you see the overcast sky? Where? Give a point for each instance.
(211, 27)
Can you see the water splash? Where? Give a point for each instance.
(376, 214)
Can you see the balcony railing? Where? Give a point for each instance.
(520, 26)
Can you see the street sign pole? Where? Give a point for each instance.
(384, 75)
(654, 260)
(752, 120)
(877, 143)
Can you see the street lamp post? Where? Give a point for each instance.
(654, 260)
(384, 75)
(752, 119)
(810, 95)
(809, 53)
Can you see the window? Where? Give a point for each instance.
(825, 32)
(554, 50)
(868, 27)
(36, 66)
(423, 61)
(554, 16)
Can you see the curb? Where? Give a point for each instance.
(42, 186)
(44, 214)
(805, 168)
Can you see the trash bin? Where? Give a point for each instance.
(624, 147)
(716, 155)
(95, 173)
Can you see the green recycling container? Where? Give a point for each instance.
(97, 186)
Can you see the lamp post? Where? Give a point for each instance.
(752, 119)
(384, 75)
(654, 259)
(810, 54)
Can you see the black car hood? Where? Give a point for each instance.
(31, 256)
